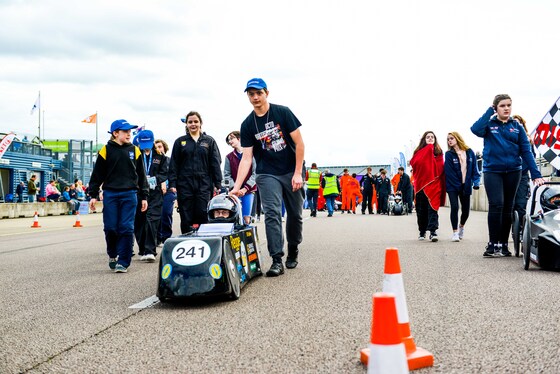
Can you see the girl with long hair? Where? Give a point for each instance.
(429, 184)
(461, 176)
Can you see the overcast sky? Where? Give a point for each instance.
(365, 78)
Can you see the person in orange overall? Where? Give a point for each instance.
(353, 192)
(344, 178)
(395, 181)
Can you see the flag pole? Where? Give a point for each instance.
(96, 130)
(39, 125)
(43, 125)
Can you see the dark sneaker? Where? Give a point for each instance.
(422, 236)
(112, 263)
(505, 251)
(275, 270)
(433, 237)
(489, 252)
(291, 260)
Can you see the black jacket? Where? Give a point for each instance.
(404, 185)
(367, 182)
(119, 168)
(383, 186)
(195, 166)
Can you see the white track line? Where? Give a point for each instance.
(146, 303)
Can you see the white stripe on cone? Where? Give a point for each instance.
(387, 359)
(393, 283)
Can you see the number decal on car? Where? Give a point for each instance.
(191, 253)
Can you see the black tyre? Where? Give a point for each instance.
(232, 273)
(516, 232)
(526, 246)
(397, 210)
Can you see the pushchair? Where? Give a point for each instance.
(541, 237)
(396, 205)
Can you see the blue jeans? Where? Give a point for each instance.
(274, 190)
(330, 203)
(500, 189)
(31, 198)
(119, 209)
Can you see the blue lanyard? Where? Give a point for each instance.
(148, 163)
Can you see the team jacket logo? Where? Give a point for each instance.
(131, 155)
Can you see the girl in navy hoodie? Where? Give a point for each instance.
(505, 146)
(461, 176)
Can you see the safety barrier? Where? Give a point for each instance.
(20, 210)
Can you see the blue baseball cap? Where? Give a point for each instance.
(256, 83)
(121, 124)
(145, 139)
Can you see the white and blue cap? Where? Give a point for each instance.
(121, 124)
(145, 139)
(256, 83)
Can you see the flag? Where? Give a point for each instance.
(402, 160)
(91, 119)
(138, 129)
(37, 104)
(5, 143)
(546, 136)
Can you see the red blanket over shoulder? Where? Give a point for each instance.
(428, 175)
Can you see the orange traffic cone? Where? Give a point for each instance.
(35, 221)
(78, 224)
(393, 282)
(388, 355)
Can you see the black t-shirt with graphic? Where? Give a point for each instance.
(269, 135)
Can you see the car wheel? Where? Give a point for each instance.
(526, 245)
(232, 273)
(516, 232)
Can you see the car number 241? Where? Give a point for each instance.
(191, 252)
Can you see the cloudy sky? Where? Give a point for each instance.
(366, 78)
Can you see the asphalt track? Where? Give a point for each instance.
(62, 310)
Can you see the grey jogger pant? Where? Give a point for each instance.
(274, 189)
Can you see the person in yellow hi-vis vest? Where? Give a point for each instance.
(331, 189)
(313, 178)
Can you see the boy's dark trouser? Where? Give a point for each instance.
(522, 194)
(166, 223)
(427, 217)
(274, 189)
(119, 208)
(312, 196)
(454, 198)
(147, 223)
(383, 200)
(500, 189)
(367, 201)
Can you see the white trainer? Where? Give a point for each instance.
(150, 258)
(455, 237)
(461, 232)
